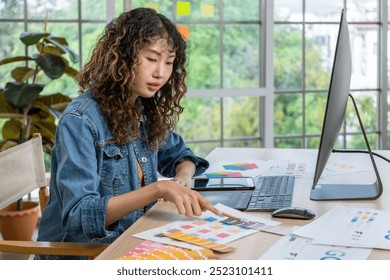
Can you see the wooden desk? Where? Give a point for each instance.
(253, 246)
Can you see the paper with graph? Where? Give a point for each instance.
(249, 168)
(298, 248)
(211, 227)
(348, 226)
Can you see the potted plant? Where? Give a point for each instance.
(27, 110)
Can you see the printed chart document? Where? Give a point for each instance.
(347, 226)
(300, 169)
(216, 228)
(298, 248)
(250, 168)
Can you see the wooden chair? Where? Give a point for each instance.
(23, 169)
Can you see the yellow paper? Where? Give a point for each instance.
(153, 6)
(183, 8)
(207, 10)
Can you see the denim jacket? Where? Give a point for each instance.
(87, 168)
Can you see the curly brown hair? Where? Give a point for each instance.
(110, 72)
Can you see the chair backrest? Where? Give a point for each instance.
(22, 170)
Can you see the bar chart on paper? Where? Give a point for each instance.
(250, 168)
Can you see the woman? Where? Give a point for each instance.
(114, 138)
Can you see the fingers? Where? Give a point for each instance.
(206, 205)
(187, 201)
(189, 204)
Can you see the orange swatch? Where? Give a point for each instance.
(172, 253)
(178, 235)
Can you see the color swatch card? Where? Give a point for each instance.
(250, 168)
(206, 243)
(298, 248)
(347, 226)
(306, 168)
(247, 220)
(149, 250)
(299, 169)
(208, 226)
(214, 228)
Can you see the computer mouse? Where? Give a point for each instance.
(293, 213)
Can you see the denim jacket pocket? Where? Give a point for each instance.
(115, 168)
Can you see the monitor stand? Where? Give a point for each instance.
(351, 191)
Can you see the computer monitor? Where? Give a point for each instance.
(334, 116)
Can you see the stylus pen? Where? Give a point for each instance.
(234, 217)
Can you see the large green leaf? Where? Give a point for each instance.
(15, 59)
(50, 49)
(11, 129)
(62, 44)
(6, 110)
(55, 100)
(21, 94)
(22, 74)
(52, 65)
(45, 127)
(31, 38)
(71, 72)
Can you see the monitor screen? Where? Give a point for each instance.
(334, 116)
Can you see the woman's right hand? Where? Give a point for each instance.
(188, 202)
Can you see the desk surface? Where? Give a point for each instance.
(165, 212)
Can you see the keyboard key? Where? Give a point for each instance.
(271, 193)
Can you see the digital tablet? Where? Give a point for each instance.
(223, 184)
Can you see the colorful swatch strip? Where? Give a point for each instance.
(178, 235)
(149, 250)
(244, 223)
(240, 166)
(219, 174)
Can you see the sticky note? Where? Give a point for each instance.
(183, 8)
(207, 10)
(184, 31)
(153, 6)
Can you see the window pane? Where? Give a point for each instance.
(65, 85)
(10, 46)
(241, 10)
(91, 32)
(241, 116)
(313, 142)
(200, 119)
(357, 141)
(204, 59)
(164, 7)
(320, 10)
(320, 46)
(364, 44)
(56, 9)
(11, 9)
(242, 144)
(315, 104)
(67, 30)
(288, 114)
(288, 57)
(197, 10)
(363, 10)
(98, 8)
(367, 103)
(203, 149)
(287, 10)
(288, 143)
(241, 66)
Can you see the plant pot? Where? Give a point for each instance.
(19, 225)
